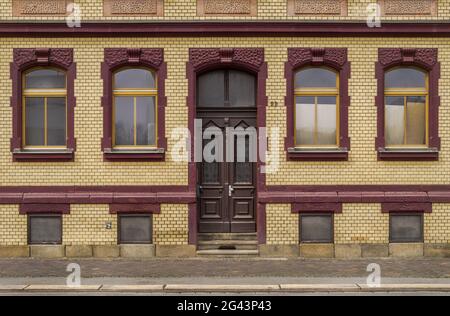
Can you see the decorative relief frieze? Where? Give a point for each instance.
(408, 7)
(39, 7)
(133, 7)
(317, 7)
(227, 7)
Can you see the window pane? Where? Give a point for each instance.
(317, 228)
(34, 121)
(134, 78)
(416, 120)
(326, 121)
(145, 121)
(395, 121)
(406, 228)
(124, 120)
(56, 121)
(315, 78)
(304, 118)
(45, 229)
(405, 78)
(135, 229)
(242, 89)
(45, 79)
(211, 89)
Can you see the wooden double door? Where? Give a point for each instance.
(227, 190)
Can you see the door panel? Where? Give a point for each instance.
(227, 190)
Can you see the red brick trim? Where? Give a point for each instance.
(116, 58)
(229, 29)
(335, 58)
(205, 59)
(27, 58)
(424, 58)
(135, 208)
(44, 209)
(406, 207)
(316, 207)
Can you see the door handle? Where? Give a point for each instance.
(230, 190)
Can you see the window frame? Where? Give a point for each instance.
(313, 214)
(118, 59)
(24, 60)
(316, 93)
(45, 94)
(409, 92)
(44, 215)
(422, 223)
(336, 60)
(119, 230)
(135, 93)
(425, 59)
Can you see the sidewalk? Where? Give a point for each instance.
(226, 268)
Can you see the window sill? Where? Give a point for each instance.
(299, 154)
(428, 154)
(157, 154)
(24, 155)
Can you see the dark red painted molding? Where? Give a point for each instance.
(135, 208)
(262, 223)
(192, 223)
(228, 29)
(205, 59)
(27, 58)
(424, 58)
(316, 207)
(406, 207)
(335, 58)
(116, 58)
(44, 209)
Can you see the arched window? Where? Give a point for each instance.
(406, 107)
(316, 107)
(224, 88)
(44, 108)
(134, 110)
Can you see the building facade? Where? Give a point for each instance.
(102, 123)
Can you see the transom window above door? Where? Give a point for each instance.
(134, 108)
(406, 107)
(44, 108)
(316, 107)
(226, 88)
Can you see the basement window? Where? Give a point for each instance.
(316, 228)
(406, 228)
(44, 229)
(135, 229)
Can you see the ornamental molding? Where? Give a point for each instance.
(408, 7)
(119, 56)
(43, 56)
(227, 7)
(39, 7)
(204, 57)
(427, 57)
(302, 56)
(133, 7)
(317, 7)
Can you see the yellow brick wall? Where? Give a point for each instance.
(361, 224)
(437, 225)
(13, 226)
(282, 225)
(92, 10)
(90, 169)
(171, 226)
(86, 225)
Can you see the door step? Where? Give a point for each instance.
(228, 244)
(228, 253)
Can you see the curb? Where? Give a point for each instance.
(202, 288)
